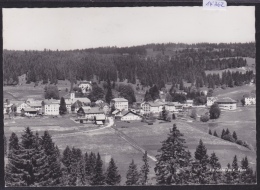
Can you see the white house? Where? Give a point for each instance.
(51, 107)
(152, 107)
(30, 112)
(7, 106)
(131, 116)
(227, 104)
(189, 103)
(211, 101)
(93, 112)
(250, 99)
(120, 103)
(178, 106)
(36, 105)
(85, 86)
(21, 106)
(170, 107)
(73, 99)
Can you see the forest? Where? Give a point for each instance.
(185, 62)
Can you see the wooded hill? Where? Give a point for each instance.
(151, 64)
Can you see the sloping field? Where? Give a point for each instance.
(150, 137)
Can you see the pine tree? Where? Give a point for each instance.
(112, 175)
(144, 170)
(63, 108)
(98, 177)
(52, 153)
(81, 174)
(215, 134)
(147, 97)
(215, 166)
(90, 165)
(132, 176)
(223, 133)
(210, 133)
(201, 152)
(234, 135)
(214, 111)
(247, 176)
(235, 172)
(227, 132)
(173, 162)
(228, 179)
(109, 95)
(14, 171)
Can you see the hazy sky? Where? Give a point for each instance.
(79, 28)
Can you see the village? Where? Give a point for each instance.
(119, 108)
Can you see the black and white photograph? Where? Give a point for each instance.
(129, 96)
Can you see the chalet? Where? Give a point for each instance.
(90, 113)
(85, 86)
(227, 104)
(21, 106)
(30, 112)
(152, 107)
(131, 116)
(36, 105)
(119, 113)
(51, 107)
(211, 101)
(250, 99)
(120, 103)
(76, 105)
(100, 119)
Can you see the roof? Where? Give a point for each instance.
(226, 100)
(99, 102)
(83, 100)
(16, 102)
(35, 104)
(170, 104)
(115, 111)
(101, 117)
(99, 122)
(155, 104)
(120, 100)
(189, 101)
(212, 98)
(131, 112)
(85, 82)
(29, 110)
(93, 111)
(51, 101)
(249, 96)
(68, 101)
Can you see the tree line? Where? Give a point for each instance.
(36, 161)
(51, 66)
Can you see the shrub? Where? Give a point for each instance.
(173, 116)
(204, 118)
(228, 137)
(214, 111)
(239, 142)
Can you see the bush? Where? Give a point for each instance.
(228, 137)
(173, 116)
(204, 118)
(214, 111)
(239, 142)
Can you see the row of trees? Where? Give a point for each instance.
(83, 65)
(220, 64)
(36, 161)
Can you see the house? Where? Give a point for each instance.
(21, 106)
(84, 100)
(250, 99)
(119, 103)
(98, 102)
(51, 107)
(90, 113)
(100, 119)
(30, 112)
(170, 106)
(76, 105)
(152, 107)
(211, 101)
(86, 86)
(105, 108)
(36, 105)
(227, 103)
(69, 103)
(178, 106)
(119, 113)
(131, 116)
(189, 103)
(7, 107)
